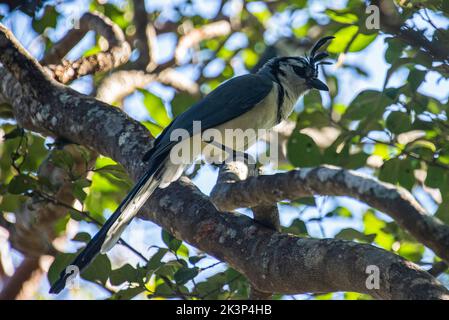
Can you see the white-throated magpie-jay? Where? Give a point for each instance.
(252, 101)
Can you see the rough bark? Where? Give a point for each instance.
(120, 84)
(117, 53)
(276, 262)
(397, 202)
(272, 261)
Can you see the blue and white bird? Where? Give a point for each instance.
(252, 101)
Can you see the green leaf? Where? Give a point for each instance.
(308, 201)
(155, 108)
(302, 151)
(82, 237)
(62, 159)
(339, 212)
(392, 93)
(390, 170)
(313, 101)
(60, 263)
(324, 296)
(183, 251)
(154, 128)
(79, 193)
(398, 122)
(78, 187)
(181, 102)
(297, 227)
(155, 260)
(21, 183)
(443, 211)
(412, 251)
(184, 275)
(127, 294)
(374, 225)
(111, 11)
(415, 78)
(315, 119)
(424, 59)
(169, 268)
(76, 215)
(352, 234)
(11, 202)
(342, 39)
(163, 290)
(126, 273)
(350, 36)
(115, 169)
(437, 177)
(16, 132)
(92, 51)
(36, 153)
(196, 259)
(61, 225)
(98, 270)
(425, 149)
(172, 243)
(83, 182)
(342, 16)
(48, 20)
(249, 57)
(398, 171)
(366, 103)
(263, 16)
(394, 50)
(395, 66)
(299, 4)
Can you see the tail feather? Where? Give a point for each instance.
(110, 232)
(129, 211)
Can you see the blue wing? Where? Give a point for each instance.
(225, 103)
(228, 101)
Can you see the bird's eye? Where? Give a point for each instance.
(299, 71)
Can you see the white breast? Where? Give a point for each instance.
(240, 133)
(245, 128)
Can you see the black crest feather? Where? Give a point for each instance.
(314, 57)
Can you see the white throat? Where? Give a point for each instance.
(293, 88)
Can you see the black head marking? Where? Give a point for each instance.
(317, 46)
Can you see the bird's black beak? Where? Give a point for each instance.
(317, 84)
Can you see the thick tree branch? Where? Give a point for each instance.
(127, 81)
(326, 180)
(195, 36)
(120, 84)
(273, 262)
(268, 215)
(276, 262)
(117, 53)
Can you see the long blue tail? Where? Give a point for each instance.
(110, 232)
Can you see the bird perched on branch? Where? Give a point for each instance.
(252, 101)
